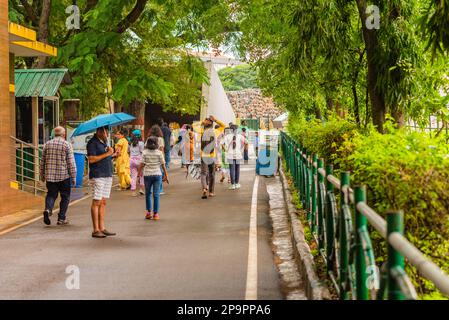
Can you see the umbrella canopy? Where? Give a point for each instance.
(103, 120)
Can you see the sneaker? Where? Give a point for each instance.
(156, 217)
(62, 222)
(141, 192)
(232, 187)
(161, 193)
(46, 217)
(237, 186)
(149, 216)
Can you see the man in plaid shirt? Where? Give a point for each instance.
(58, 170)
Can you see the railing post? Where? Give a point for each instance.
(22, 170)
(360, 263)
(343, 236)
(314, 190)
(308, 186)
(320, 207)
(395, 223)
(304, 178)
(329, 221)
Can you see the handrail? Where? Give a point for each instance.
(28, 145)
(307, 174)
(426, 267)
(26, 165)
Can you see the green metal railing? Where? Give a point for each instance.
(340, 229)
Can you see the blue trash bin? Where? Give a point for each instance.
(79, 160)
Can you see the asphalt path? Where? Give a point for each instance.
(198, 250)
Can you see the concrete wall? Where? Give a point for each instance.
(216, 101)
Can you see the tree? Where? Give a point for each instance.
(126, 50)
(239, 77)
(329, 54)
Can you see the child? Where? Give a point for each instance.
(152, 162)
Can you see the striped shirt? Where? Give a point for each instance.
(152, 161)
(58, 162)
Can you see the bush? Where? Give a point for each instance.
(402, 170)
(321, 138)
(407, 171)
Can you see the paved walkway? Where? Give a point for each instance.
(198, 250)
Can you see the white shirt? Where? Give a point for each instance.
(231, 152)
(136, 151)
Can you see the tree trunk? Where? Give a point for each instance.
(371, 44)
(354, 88)
(356, 104)
(137, 109)
(399, 118)
(42, 34)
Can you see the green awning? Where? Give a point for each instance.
(38, 82)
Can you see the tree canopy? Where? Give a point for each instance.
(321, 56)
(313, 56)
(127, 50)
(239, 77)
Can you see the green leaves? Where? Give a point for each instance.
(239, 77)
(401, 169)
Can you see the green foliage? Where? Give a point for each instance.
(402, 170)
(407, 171)
(238, 78)
(323, 138)
(143, 59)
(313, 56)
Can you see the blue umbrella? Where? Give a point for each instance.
(103, 120)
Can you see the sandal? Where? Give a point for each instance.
(98, 234)
(204, 195)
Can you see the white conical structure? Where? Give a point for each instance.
(216, 101)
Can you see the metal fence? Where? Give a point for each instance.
(341, 231)
(25, 168)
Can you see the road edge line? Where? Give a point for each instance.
(23, 224)
(251, 275)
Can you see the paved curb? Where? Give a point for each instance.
(315, 289)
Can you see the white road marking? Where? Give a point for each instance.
(251, 275)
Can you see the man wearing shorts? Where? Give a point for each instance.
(100, 174)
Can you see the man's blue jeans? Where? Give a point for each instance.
(152, 186)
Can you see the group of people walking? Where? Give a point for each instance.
(140, 166)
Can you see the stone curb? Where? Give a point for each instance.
(315, 289)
